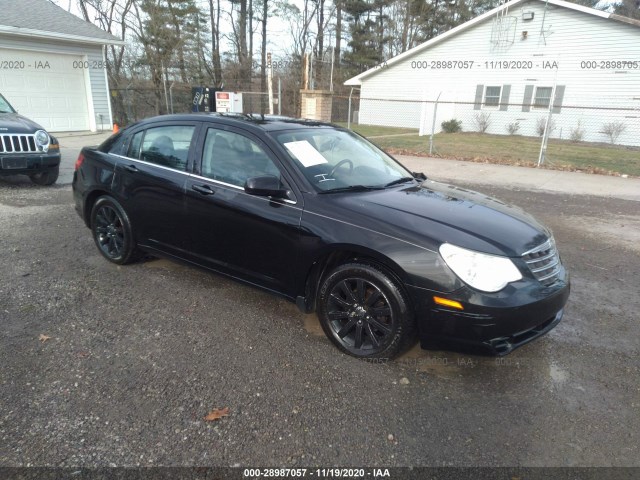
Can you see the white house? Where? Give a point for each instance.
(510, 64)
(52, 66)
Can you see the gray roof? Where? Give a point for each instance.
(46, 17)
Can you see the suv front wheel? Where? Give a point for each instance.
(47, 177)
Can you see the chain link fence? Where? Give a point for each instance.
(136, 103)
(602, 137)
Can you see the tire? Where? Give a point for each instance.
(48, 177)
(365, 312)
(112, 231)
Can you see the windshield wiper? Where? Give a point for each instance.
(352, 188)
(398, 181)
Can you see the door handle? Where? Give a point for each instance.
(131, 168)
(203, 189)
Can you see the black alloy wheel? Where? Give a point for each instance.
(112, 231)
(364, 312)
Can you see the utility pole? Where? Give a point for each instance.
(305, 72)
(333, 55)
(279, 97)
(270, 82)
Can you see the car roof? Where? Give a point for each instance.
(253, 120)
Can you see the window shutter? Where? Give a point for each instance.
(504, 99)
(528, 95)
(478, 102)
(557, 101)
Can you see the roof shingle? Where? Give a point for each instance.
(45, 16)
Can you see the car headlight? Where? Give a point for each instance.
(42, 140)
(489, 273)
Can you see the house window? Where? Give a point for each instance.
(492, 96)
(542, 98)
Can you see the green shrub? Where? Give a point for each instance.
(451, 126)
(513, 128)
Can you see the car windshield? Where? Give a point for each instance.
(4, 106)
(339, 160)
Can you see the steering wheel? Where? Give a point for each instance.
(339, 164)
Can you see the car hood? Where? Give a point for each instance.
(16, 123)
(434, 213)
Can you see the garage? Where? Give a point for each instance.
(53, 71)
(48, 88)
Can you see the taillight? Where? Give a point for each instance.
(79, 161)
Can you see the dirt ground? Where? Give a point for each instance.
(105, 365)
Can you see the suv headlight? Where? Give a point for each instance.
(489, 273)
(42, 140)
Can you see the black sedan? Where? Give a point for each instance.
(26, 148)
(319, 215)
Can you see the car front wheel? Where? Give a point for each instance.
(365, 312)
(112, 231)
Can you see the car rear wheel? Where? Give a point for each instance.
(112, 231)
(48, 177)
(365, 312)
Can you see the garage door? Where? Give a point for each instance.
(46, 88)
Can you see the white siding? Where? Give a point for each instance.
(571, 37)
(96, 76)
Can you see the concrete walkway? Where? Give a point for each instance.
(525, 178)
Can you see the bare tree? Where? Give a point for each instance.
(214, 15)
(150, 25)
(300, 22)
(239, 18)
(613, 130)
(319, 44)
(338, 4)
(263, 52)
(112, 16)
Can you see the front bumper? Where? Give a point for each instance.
(491, 323)
(27, 164)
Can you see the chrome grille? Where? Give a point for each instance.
(14, 143)
(544, 262)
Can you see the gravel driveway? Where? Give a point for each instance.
(106, 365)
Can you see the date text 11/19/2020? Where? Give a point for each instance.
(316, 472)
(487, 65)
(522, 65)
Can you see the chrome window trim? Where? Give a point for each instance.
(150, 164)
(218, 182)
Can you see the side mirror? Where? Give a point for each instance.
(265, 186)
(419, 176)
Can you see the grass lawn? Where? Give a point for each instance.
(514, 150)
(374, 130)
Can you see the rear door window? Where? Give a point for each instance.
(167, 146)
